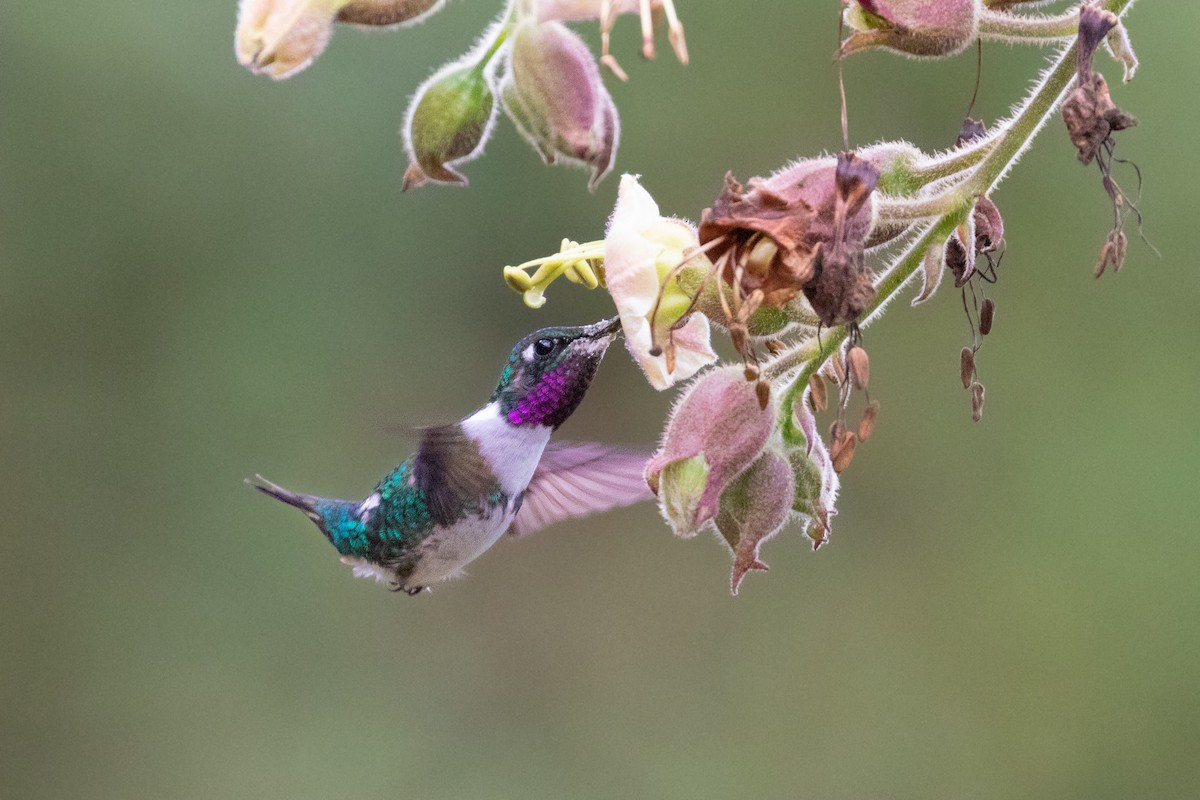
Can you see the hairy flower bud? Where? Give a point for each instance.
(816, 481)
(753, 509)
(281, 37)
(923, 28)
(719, 421)
(642, 252)
(554, 95)
(449, 121)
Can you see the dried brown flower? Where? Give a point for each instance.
(1089, 112)
(802, 229)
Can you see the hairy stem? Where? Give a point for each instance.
(1013, 137)
(1037, 29)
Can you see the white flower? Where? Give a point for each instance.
(641, 248)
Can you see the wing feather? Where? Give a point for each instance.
(578, 479)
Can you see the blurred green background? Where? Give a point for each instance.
(204, 274)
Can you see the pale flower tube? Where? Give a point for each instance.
(641, 248)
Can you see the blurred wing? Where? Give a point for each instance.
(449, 470)
(574, 480)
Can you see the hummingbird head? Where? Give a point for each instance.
(549, 371)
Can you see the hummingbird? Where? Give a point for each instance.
(491, 472)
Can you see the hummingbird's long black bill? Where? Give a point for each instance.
(605, 327)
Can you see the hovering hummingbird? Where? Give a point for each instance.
(494, 471)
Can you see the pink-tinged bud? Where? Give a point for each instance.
(924, 28)
(281, 37)
(449, 121)
(815, 479)
(719, 429)
(554, 95)
(753, 509)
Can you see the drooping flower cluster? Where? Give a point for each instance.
(528, 64)
(792, 266)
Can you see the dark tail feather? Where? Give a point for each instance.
(305, 502)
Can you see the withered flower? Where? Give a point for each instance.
(802, 229)
(1089, 112)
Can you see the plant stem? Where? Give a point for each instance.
(1012, 139)
(1036, 29)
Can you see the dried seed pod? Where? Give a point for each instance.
(818, 398)
(834, 369)
(751, 372)
(842, 452)
(977, 401)
(966, 366)
(987, 313)
(775, 347)
(989, 225)
(1113, 252)
(866, 425)
(763, 390)
(956, 261)
(860, 367)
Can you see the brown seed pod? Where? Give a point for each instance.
(842, 452)
(866, 425)
(834, 369)
(966, 366)
(860, 367)
(987, 313)
(977, 401)
(763, 390)
(751, 372)
(818, 398)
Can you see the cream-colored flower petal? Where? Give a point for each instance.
(281, 37)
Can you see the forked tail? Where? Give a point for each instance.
(305, 502)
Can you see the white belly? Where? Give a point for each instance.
(444, 553)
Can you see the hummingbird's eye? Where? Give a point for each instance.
(544, 347)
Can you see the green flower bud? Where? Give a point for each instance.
(449, 121)
(816, 482)
(753, 509)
